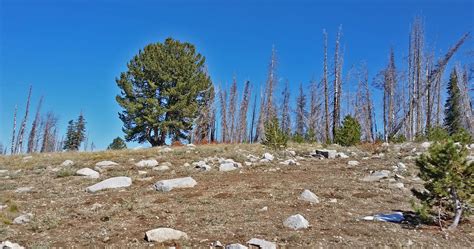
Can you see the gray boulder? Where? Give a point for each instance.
(22, 219)
(67, 163)
(262, 244)
(376, 176)
(229, 166)
(353, 163)
(168, 185)
(309, 197)
(147, 163)
(88, 173)
(330, 154)
(235, 246)
(114, 182)
(103, 165)
(296, 222)
(10, 245)
(163, 234)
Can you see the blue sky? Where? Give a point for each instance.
(72, 50)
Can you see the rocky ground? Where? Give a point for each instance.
(228, 194)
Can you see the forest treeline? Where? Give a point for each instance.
(167, 95)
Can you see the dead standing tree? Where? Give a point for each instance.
(242, 130)
(231, 117)
(21, 132)
(223, 102)
(337, 83)
(285, 110)
(12, 149)
(34, 128)
(326, 87)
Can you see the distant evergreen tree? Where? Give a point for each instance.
(275, 137)
(452, 112)
(75, 133)
(162, 91)
(350, 132)
(117, 144)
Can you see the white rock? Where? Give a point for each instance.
(400, 167)
(471, 146)
(163, 234)
(291, 152)
(186, 165)
(10, 245)
(398, 185)
(103, 165)
(202, 165)
(228, 166)
(262, 244)
(27, 158)
(296, 222)
(142, 172)
(330, 154)
(290, 162)
(376, 176)
(3, 171)
(147, 163)
(385, 144)
(268, 156)
(264, 209)
(353, 163)
(22, 219)
(168, 185)
(425, 145)
(235, 246)
(114, 182)
(88, 173)
(342, 155)
(248, 163)
(2, 207)
(252, 158)
(309, 197)
(67, 163)
(161, 168)
(23, 189)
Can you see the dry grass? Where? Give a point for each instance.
(223, 206)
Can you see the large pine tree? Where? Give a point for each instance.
(452, 112)
(162, 91)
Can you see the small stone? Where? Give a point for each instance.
(268, 156)
(353, 163)
(217, 244)
(23, 189)
(186, 165)
(235, 246)
(296, 222)
(342, 155)
(398, 185)
(291, 152)
(161, 168)
(22, 219)
(114, 182)
(103, 165)
(202, 165)
(10, 245)
(425, 145)
(3, 171)
(163, 234)
(309, 197)
(142, 172)
(147, 163)
(333, 200)
(168, 185)
(330, 154)
(26, 158)
(376, 176)
(229, 166)
(248, 163)
(400, 167)
(290, 162)
(262, 244)
(67, 163)
(385, 144)
(88, 173)
(264, 209)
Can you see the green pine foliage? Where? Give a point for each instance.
(397, 139)
(350, 132)
(75, 133)
(448, 178)
(452, 112)
(275, 137)
(437, 134)
(462, 136)
(298, 138)
(117, 144)
(162, 91)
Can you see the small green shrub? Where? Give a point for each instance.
(350, 132)
(65, 172)
(448, 178)
(437, 134)
(117, 144)
(420, 137)
(274, 137)
(298, 138)
(462, 136)
(398, 139)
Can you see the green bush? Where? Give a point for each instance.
(275, 137)
(311, 136)
(398, 139)
(298, 138)
(437, 134)
(462, 136)
(448, 178)
(350, 132)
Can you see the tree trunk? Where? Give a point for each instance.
(458, 210)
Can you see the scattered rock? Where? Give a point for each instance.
(114, 182)
(166, 149)
(400, 167)
(216, 244)
(353, 163)
(252, 158)
(3, 171)
(267, 157)
(333, 200)
(202, 165)
(291, 152)
(385, 144)
(248, 163)
(163, 234)
(26, 158)
(309, 197)
(142, 172)
(103, 165)
(3, 206)
(147, 163)
(330, 154)
(88, 173)
(168, 185)
(22, 219)
(67, 163)
(235, 246)
(228, 166)
(10, 245)
(262, 244)
(398, 185)
(186, 165)
(23, 189)
(342, 155)
(296, 222)
(425, 145)
(290, 162)
(161, 168)
(376, 176)
(264, 209)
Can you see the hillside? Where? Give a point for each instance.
(233, 206)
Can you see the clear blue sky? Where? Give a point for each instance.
(72, 50)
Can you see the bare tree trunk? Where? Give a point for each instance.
(34, 128)
(232, 113)
(337, 85)
(458, 209)
(242, 131)
(13, 149)
(260, 133)
(326, 88)
(285, 110)
(223, 101)
(21, 132)
(252, 123)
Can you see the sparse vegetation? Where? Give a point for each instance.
(349, 134)
(275, 138)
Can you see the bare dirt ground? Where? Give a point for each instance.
(223, 206)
